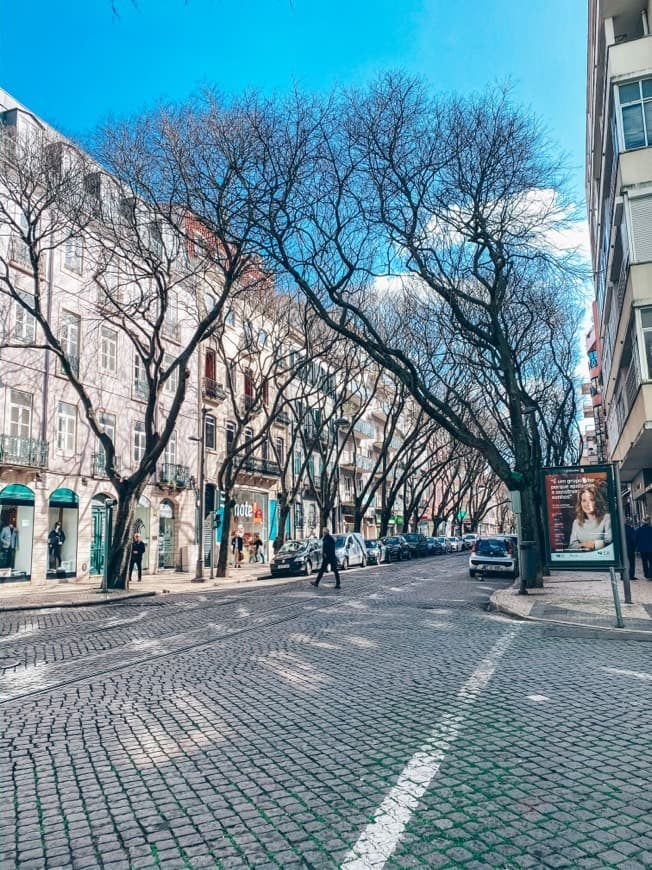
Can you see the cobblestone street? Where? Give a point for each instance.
(394, 724)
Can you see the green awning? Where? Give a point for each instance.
(64, 498)
(16, 493)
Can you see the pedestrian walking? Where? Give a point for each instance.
(259, 555)
(56, 540)
(630, 542)
(644, 546)
(137, 553)
(328, 559)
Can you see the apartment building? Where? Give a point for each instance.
(619, 198)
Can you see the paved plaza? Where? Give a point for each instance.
(398, 723)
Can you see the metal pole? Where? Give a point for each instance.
(627, 587)
(199, 571)
(614, 589)
(108, 525)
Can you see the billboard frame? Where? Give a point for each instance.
(557, 484)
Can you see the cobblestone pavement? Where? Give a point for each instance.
(394, 724)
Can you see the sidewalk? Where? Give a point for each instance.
(26, 596)
(582, 599)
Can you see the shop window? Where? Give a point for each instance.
(63, 521)
(16, 532)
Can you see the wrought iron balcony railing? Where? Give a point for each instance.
(172, 474)
(214, 390)
(28, 452)
(98, 464)
(266, 467)
(283, 418)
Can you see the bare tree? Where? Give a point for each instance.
(396, 214)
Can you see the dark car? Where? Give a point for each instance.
(297, 557)
(417, 544)
(375, 552)
(435, 546)
(396, 548)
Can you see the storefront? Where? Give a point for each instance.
(250, 513)
(166, 534)
(16, 532)
(142, 526)
(63, 525)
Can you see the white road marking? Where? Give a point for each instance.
(380, 838)
(638, 675)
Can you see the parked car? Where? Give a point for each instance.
(493, 555)
(297, 557)
(446, 544)
(469, 540)
(416, 543)
(435, 546)
(455, 543)
(375, 552)
(349, 551)
(396, 548)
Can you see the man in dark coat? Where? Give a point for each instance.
(328, 559)
(630, 541)
(137, 553)
(644, 546)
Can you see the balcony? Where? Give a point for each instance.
(170, 474)
(266, 467)
(214, 390)
(283, 418)
(25, 452)
(312, 486)
(98, 464)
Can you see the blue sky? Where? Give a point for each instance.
(74, 63)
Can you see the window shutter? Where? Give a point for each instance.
(641, 210)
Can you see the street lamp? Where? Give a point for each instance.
(338, 423)
(199, 571)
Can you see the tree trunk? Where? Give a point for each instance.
(225, 542)
(117, 572)
(283, 514)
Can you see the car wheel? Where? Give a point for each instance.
(471, 573)
(307, 568)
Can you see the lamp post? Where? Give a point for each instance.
(338, 423)
(199, 571)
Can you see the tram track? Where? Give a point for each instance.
(174, 646)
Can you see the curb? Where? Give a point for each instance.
(87, 602)
(596, 630)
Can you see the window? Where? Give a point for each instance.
(139, 442)
(141, 389)
(70, 339)
(107, 423)
(209, 365)
(108, 349)
(646, 324)
(210, 432)
(229, 318)
(173, 381)
(636, 112)
(248, 332)
(593, 358)
(19, 247)
(264, 449)
(170, 452)
(66, 428)
(170, 316)
(249, 437)
(72, 254)
(20, 414)
(229, 429)
(262, 338)
(280, 449)
(25, 326)
(156, 240)
(248, 385)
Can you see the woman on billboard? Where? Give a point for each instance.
(592, 524)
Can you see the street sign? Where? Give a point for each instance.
(461, 515)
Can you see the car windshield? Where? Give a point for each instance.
(491, 547)
(391, 540)
(340, 540)
(410, 536)
(371, 545)
(293, 547)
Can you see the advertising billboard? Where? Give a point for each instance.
(582, 523)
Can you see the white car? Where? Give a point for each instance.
(456, 544)
(349, 551)
(493, 555)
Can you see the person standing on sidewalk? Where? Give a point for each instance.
(137, 553)
(328, 559)
(644, 546)
(630, 541)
